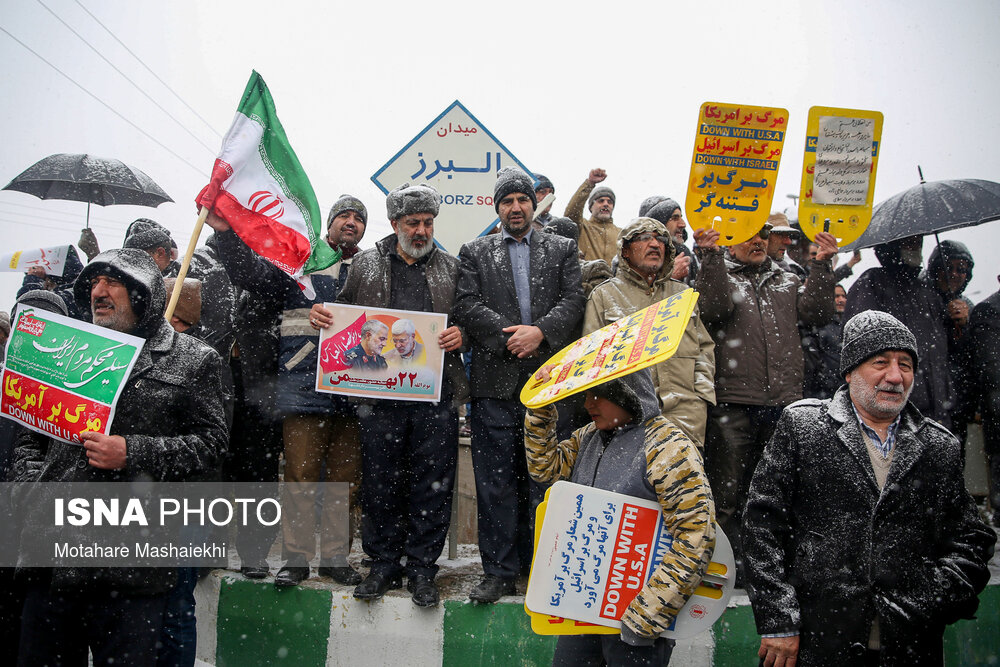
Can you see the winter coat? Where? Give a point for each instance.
(752, 315)
(370, 284)
(647, 458)
(560, 226)
(984, 369)
(170, 413)
(821, 353)
(896, 290)
(218, 298)
(685, 382)
(598, 240)
(826, 551)
(486, 303)
(298, 340)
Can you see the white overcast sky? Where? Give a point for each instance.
(565, 86)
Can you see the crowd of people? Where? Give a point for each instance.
(226, 390)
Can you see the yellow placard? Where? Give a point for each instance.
(838, 172)
(734, 169)
(642, 339)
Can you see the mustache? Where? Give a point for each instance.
(890, 388)
(103, 301)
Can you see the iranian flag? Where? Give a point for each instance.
(259, 187)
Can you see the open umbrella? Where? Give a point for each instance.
(95, 180)
(930, 208)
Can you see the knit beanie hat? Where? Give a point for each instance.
(43, 299)
(409, 199)
(658, 208)
(347, 203)
(512, 179)
(599, 192)
(870, 332)
(543, 182)
(145, 233)
(621, 394)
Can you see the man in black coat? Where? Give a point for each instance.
(519, 299)
(409, 448)
(860, 540)
(984, 373)
(169, 426)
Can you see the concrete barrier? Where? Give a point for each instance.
(247, 623)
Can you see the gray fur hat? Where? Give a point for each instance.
(409, 199)
(600, 191)
(347, 203)
(512, 179)
(871, 332)
(144, 234)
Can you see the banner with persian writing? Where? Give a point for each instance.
(62, 376)
(596, 549)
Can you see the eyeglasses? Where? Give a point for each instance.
(648, 236)
(764, 232)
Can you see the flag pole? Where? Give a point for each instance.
(182, 274)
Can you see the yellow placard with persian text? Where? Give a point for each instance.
(734, 169)
(642, 339)
(838, 172)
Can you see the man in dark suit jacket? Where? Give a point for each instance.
(520, 299)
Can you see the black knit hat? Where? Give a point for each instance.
(658, 208)
(622, 395)
(409, 199)
(144, 234)
(870, 332)
(543, 182)
(512, 179)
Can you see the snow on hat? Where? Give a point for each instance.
(543, 182)
(599, 192)
(144, 233)
(512, 179)
(5, 322)
(638, 226)
(658, 208)
(409, 199)
(870, 332)
(347, 203)
(43, 299)
(779, 224)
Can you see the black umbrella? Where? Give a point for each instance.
(95, 180)
(930, 208)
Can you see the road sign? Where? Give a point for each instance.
(460, 157)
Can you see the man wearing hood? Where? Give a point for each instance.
(410, 448)
(598, 234)
(685, 383)
(896, 288)
(520, 299)
(630, 448)
(169, 426)
(861, 541)
(948, 273)
(751, 308)
(317, 429)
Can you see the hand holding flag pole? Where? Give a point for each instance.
(175, 295)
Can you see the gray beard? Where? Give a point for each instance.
(412, 251)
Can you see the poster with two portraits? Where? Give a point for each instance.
(381, 353)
